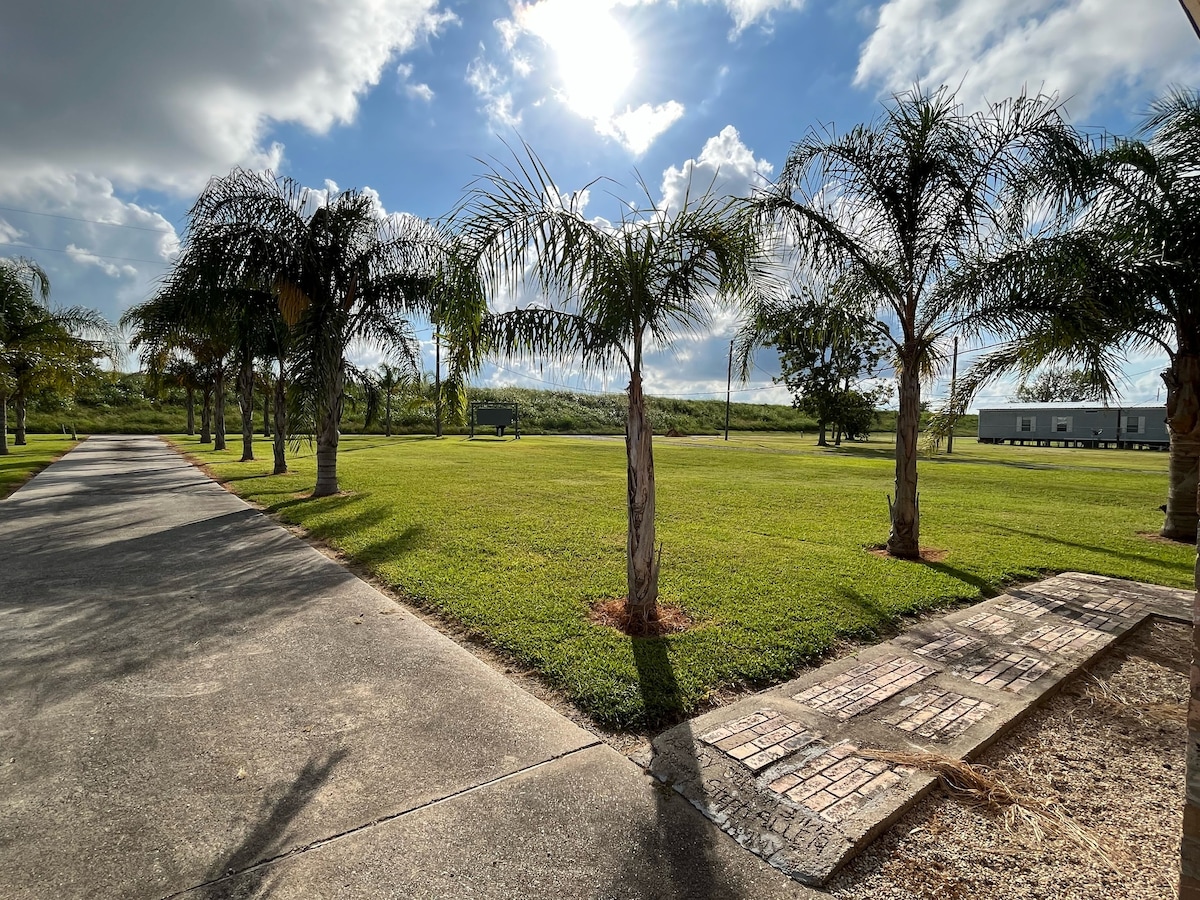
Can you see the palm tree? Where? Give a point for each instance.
(623, 290)
(1125, 279)
(893, 208)
(41, 345)
(23, 283)
(184, 317)
(339, 270)
(393, 381)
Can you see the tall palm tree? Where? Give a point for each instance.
(183, 316)
(339, 270)
(23, 284)
(623, 289)
(1125, 279)
(891, 210)
(41, 345)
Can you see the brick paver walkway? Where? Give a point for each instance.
(788, 772)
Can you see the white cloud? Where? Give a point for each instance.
(416, 90)
(492, 88)
(80, 255)
(163, 95)
(637, 129)
(750, 12)
(1083, 49)
(725, 164)
(115, 250)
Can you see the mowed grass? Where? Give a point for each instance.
(23, 462)
(765, 544)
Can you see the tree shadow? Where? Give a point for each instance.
(679, 845)
(268, 839)
(1104, 551)
(95, 589)
(985, 587)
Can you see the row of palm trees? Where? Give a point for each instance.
(42, 347)
(932, 221)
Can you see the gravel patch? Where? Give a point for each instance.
(1108, 752)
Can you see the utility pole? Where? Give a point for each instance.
(437, 380)
(953, 381)
(728, 389)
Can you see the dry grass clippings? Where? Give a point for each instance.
(1082, 802)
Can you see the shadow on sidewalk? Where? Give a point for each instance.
(267, 839)
(680, 846)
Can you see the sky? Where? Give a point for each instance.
(116, 114)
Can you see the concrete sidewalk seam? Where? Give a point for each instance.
(382, 820)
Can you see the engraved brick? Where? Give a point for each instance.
(851, 782)
(731, 728)
(988, 623)
(880, 782)
(820, 800)
(807, 788)
(784, 783)
(742, 752)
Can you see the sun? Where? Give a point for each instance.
(594, 54)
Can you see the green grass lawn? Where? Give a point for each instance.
(22, 463)
(764, 544)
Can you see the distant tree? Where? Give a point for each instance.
(825, 349)
(396, 384)
(893, 209)
(1060, 384)
(623, 288)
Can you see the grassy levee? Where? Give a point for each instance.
(23, 462)
(765, 544)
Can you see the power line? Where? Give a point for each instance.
(157, 262)
(88, 221)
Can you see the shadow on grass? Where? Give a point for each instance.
(1185, 567)
(985, 587)
(268, 838)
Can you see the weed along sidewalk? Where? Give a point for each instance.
(194, 703)
(805, 774)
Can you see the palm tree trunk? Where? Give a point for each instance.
(3, 425)
(19, 410)
(329, 419)
(281, 426)
(219, 411)
(904, 539)
(1183, 467)
(206, 417)
(1189, 847)
(387, 415)
(191, 410)
(266, 405)
(641, 563)
(246, 404)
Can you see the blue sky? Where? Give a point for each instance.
(118, 113)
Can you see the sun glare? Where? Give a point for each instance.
(594, 54)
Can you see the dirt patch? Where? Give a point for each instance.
(1105, 758)
(928, 554)
(1159, 539)
(612, 613)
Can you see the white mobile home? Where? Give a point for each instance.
(1073, 425)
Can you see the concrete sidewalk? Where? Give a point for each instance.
(195, 703)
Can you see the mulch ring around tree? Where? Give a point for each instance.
(928, 554)
(612, 612)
